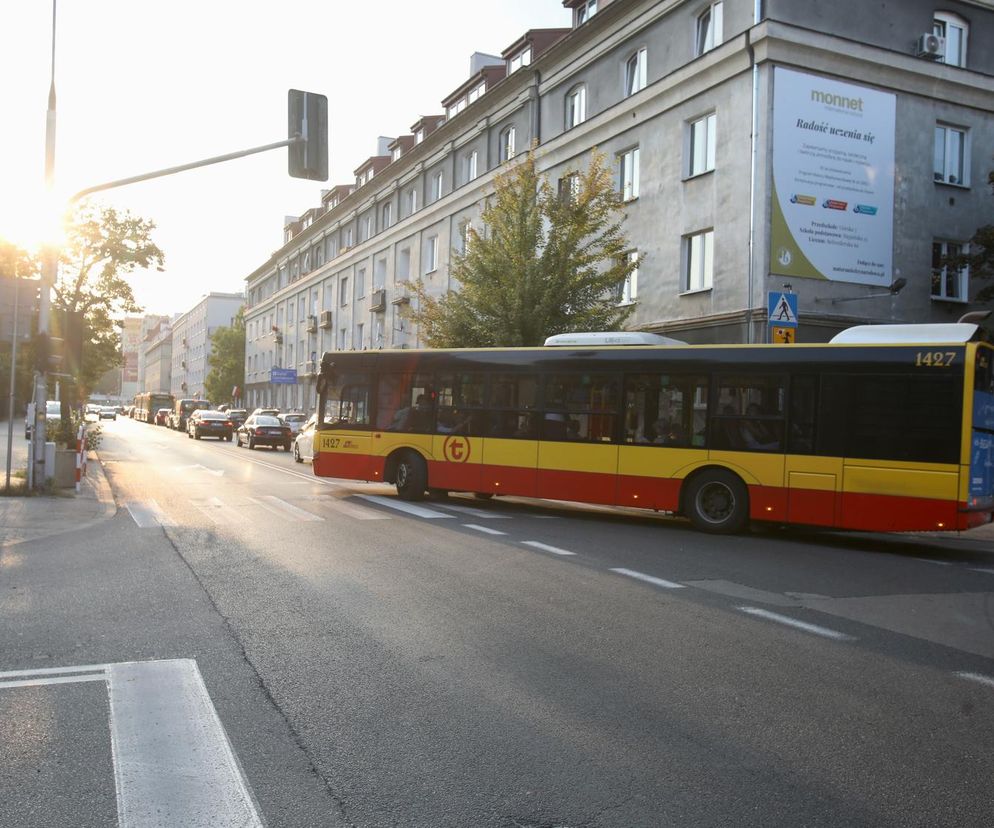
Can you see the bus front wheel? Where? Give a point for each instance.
(717, 501)
(411, 477)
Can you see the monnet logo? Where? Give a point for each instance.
(784, 257)
(840, 101)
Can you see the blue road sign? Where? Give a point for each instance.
(283, 376)
(782, 309)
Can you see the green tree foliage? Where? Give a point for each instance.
(227, 360)
(979, 258)
(546, 263)
(18, 263)
(102, 247)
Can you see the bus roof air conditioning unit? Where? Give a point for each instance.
(931, 46)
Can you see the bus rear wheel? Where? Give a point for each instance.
(717, 502)
(411, 477)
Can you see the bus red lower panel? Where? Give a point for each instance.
(583, 487)
(886, 513)
(348, 466)
(662, 493)
(459, 477)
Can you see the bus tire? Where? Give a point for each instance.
(717, 502)
(411, 476)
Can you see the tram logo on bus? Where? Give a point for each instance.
(456, 449)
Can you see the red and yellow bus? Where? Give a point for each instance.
(887, 428)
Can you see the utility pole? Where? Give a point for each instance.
(13, 385)
(49, 273)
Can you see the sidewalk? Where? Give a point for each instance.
(30, 518)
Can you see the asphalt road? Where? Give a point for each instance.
(505, 663)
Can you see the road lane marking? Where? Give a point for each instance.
(276, 506)
(55, 671)
(214, 509)
(977, 677)
(469, 510)
(351, 510)
(649, 579)
(555, 550)
(981, 569)
(149, 515)
(800, 625)
(173, 763)
(40, 682)
(933, 561)
(485, 529)
(404, 506)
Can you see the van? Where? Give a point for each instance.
(182, 409)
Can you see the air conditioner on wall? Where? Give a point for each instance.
(931, 46)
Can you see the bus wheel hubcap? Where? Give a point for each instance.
(402, 474)
(715, 502)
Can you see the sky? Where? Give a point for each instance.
(147, 84)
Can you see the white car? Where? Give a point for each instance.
(303, 444)
(294, 419)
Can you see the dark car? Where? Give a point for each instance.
(206, 423)
(237, 416)
(263, 430)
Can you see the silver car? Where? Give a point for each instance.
(303, 444)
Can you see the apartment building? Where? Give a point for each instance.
(758, 147)
(156, 358)
(190, 345)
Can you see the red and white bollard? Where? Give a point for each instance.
(80, 454)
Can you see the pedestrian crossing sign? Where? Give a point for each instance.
(782, 309)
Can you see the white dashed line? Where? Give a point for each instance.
(649, 579)
(403, 506)
(485, 529)
(984, 571)
(800, 625)
(977, 677)
(555, 550)
(149, 515)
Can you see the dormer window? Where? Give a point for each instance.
(369, 174)
(477, 93)
(419, 136)
(361, 180)
(584, 12)
(456, 108)
(395, 155)
(523, 58)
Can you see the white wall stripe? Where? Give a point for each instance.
(649, 579)
(485, 529)
(800, 625)
(555, 550)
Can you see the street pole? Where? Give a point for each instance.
(13, 374)
(49, 272)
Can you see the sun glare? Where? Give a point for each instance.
(36, 221)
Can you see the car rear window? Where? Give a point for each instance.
(294, 418)
(267, 421)
(213, 415)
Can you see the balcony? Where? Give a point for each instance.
(378, 300)
(325, 319)
(312, 324)
(310, 368)
(402, 297)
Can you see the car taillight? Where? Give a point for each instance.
(258, 432)
(229, 423)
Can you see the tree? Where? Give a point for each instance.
(19, 264)
(102, 246)
(979, 257)
(547, 263)
(227, 360)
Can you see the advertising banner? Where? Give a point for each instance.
(833, 180)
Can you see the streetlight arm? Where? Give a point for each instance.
(183, 167)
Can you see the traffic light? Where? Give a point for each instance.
(308, 118)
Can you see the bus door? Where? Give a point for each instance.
(577, 453)
(510, 442)
(343, 448)
(460, 427)
(980, 484)
(813, 482)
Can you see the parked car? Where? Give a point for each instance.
(237, 416)
(269, 412)
(263, 430)
(108, 412)
(182, 409)
(294, 419)
(209, 423)
(303, 444)
(162, 417)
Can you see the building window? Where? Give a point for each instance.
(702, 140)
(709, 28)
(576, 106)
(628, 174)
(477, 93)
(470, 165)
(343, 291)
(436, 186)
(431, 258)
(951, 155)
(955, 30)
(412, 200)
(456, 108)
(635, 72)
(395, 153)
(569, 187)
(628, 290)
(700, 261)
(360, 283)
(404, 265)
(584, 12)
(343, 337)
(348, 238)
(948, 282)
(464, 237)
(366, 229)
(523, 58)
(358, 336)
(419, 136)
(387, 215)
(506, 144)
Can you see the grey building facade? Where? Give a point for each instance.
(190, 346)
(682, 97)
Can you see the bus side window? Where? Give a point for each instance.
(580, 407)
(512, 402)
(666, 410)
(749, 413)
(803, 395)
